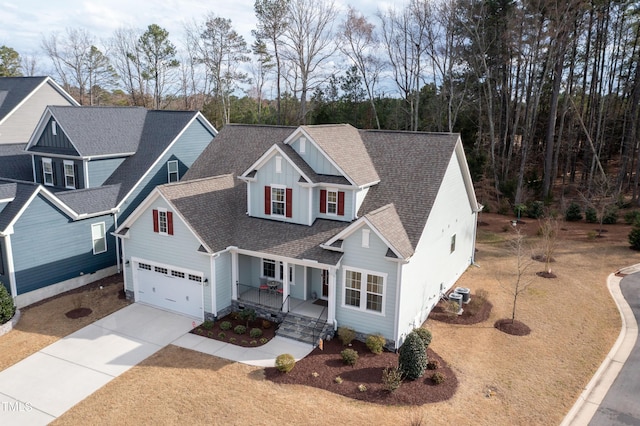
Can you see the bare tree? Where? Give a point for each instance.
(602, 197)
(523, 262)
(548, 243)
(260, 68)
(310, 44)
(158, 59)
(272, 23)
(127, 61)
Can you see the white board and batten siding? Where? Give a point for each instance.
(175, 252)
(371, 259)
(433, 264)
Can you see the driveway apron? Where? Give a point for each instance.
(40, 388)
(621, 405)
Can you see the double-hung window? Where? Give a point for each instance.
(269, 268)
(163, 222)
(364, 290)
(98, 238)
(172, 170)
(278, 201)
(69, 174)
(332, 202)
(47, 172)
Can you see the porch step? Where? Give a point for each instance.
(301, 328)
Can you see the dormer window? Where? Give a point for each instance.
(69, 174)
(172, 170)
(278, 201)
(332, 202)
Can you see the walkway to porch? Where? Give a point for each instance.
(273, 300)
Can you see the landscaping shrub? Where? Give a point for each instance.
(247, 315)
(255, 333)
(412, 359)
(375, 343)
(285, 362)
(264, 340)
(266, 324)
(535, 209)
(424, 334)
(437, 378)
(7, 308)
(573, 213)
(590, 215)
(225, 325)
(207, 325)
(240, 329)
(433, 365)
(222, 335)
(391, 378)
(338, 380)
(634, 236)
(349, 356)
(610, 216)
(346, 335)
(362, 388)
(631, 217)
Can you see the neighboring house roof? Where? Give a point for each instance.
(15, 163)
(22, 193)
(14, 90)
(7, 191)
(412, 166)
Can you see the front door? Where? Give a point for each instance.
(325, 284)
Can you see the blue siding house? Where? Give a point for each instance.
(89, 168)
(334, 225)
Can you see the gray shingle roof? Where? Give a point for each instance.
(411, 166)
(92, 200)
(7, 190)
(13, 90)
(23, 191)
(15, 163)
(343, 144)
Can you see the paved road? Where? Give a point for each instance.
(621, 405)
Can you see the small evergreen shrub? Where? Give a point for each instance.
(610, 216)
(631, 217)
(433, 365)
(207, 325)
(590, 215)
(338, 380)
(240, 329)
(211, 333)
(285, 363)
(535, 209)
(255, 333)
(375, 343)
(346, 335)
(264, 340)
(7, 308)
(634, 236)
(349, 356)
(222, 335)
(437, 378)
(412, 359)
(232, 339)
(424, 334)
(225, 325)
(200, 331)
(573, 213)
(362, 388)
(391, 378)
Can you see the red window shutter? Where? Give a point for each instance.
(267, 200)
(323, 201)
(170, 223)
(289, 206)
(341, 203)
(156, 228)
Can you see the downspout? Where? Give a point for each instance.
(396, 331)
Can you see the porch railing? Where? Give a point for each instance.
(319, 322)
(253, 294)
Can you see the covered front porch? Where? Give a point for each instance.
(278, 285)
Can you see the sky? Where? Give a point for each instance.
(24, 23)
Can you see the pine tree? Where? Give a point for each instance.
(412, 360)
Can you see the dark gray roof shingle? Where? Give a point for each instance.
(92, 200)
(15, 163)
(23, 191)
(13, 90)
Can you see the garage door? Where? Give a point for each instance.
(168, 288)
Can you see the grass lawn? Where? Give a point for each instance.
(503, 379)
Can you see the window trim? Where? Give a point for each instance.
(44, 172)
(162, 214)
(363, 290)
(283, 202)
(175, 172)
(332, 203)
(71, 176)
(156, 213)
(103, 237)
(278, 270)
(275, 272)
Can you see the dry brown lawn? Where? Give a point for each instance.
(44, 323)
(503, 379)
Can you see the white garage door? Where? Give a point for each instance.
(168, 288)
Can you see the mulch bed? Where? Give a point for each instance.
(78, 313)
(328, 365)
(469, 315)
(229, 336)
(513, 327)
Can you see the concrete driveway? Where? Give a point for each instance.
(43, 386)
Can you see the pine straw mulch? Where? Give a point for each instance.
(328, 365)
(476, 311)
(513, 327)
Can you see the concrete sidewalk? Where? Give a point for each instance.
(596, 390)
(40, 388)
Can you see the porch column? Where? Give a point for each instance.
(285, 285)
(331, 312)
(212, 286)
(234, 275)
